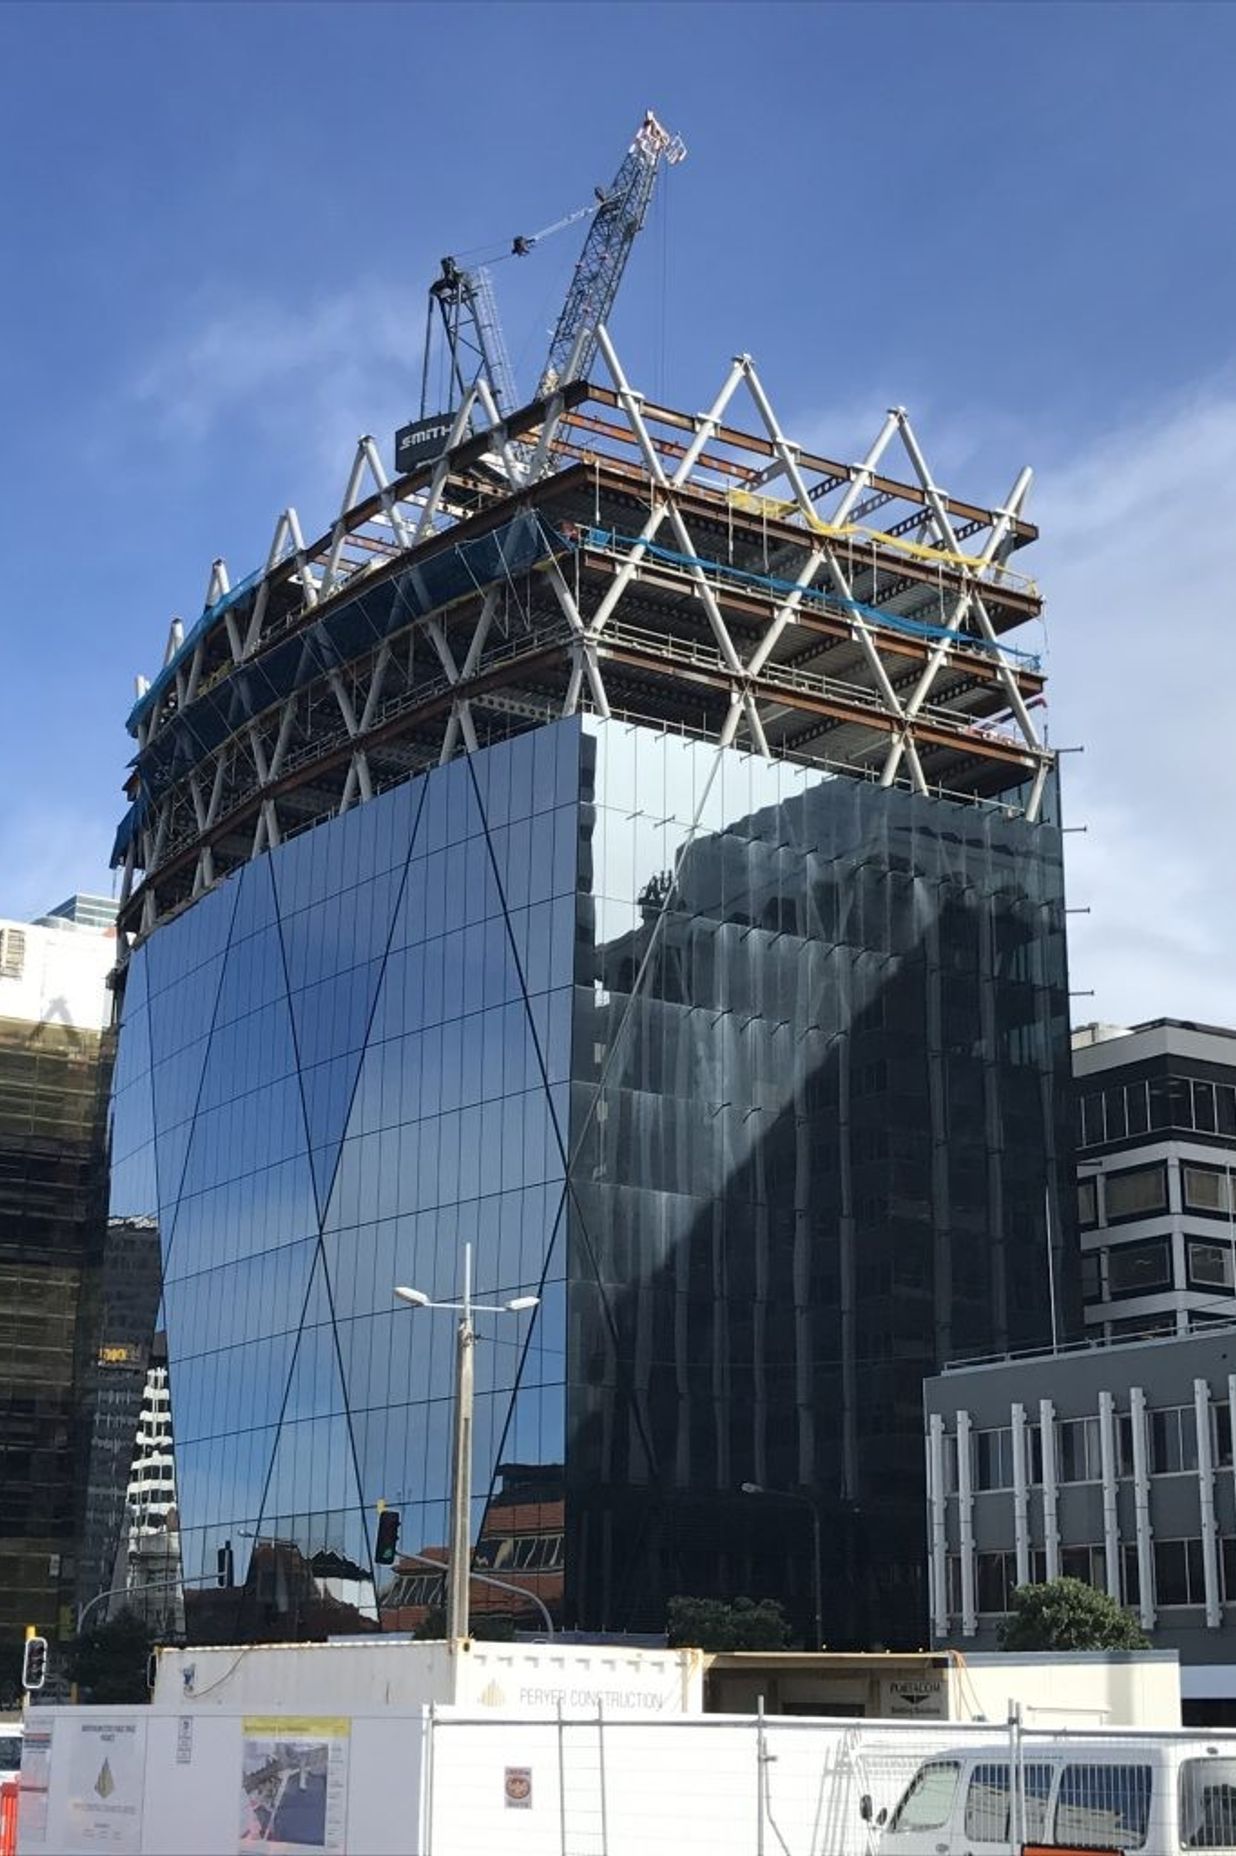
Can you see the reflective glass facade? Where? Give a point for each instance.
(757, 1077)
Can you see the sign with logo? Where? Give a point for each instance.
(914, 1697)
(517, 1788)
(422, 440)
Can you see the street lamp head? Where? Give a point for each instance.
(416, 1297)
(518, 1303)
(751, 1488)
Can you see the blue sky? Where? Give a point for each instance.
(1014, 219)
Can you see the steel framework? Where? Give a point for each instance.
(591, 550)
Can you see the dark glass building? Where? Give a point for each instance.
(755, 1076)
(685, 936)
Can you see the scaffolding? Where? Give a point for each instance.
(592, 550)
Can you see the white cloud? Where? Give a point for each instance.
(1142, 635)
(304, 376)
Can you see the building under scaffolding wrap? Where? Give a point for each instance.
(681, 923)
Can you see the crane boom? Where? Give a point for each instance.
(598, 273)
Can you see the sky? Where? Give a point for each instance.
(1013, 219)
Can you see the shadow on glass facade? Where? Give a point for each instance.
(757, 1077)
(820, 1104)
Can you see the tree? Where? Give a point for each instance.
(110, 1662)
(1068, 1614)
(714, 1624)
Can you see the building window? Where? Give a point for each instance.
(1221, 1439)
(1142, 1327)
(1089, 1564)
(1204, 1107)
(1139, 1269)
(1077, 1450)
(1092, 1275)
(1225, 1108)
(1091, 1120)
(1227, 1569)
(1210, 1265)
(949, 1455)
(1173, 1440)
(993, 1459)
(1205, 1189)
(1135, 1192)
(997, 1580)
(1171, 1102)
(1178, 1576)
(12, 953)
(1087, 1203)
(952, 1579)
(1137, 1108)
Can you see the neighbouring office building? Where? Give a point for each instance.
(1111, 1463)
(657, 885)
(1156, 1144)
(54, 1062)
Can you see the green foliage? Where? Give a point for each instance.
(715, 1624)
(109, 1662)
(484, 1629)
(1068, 1614)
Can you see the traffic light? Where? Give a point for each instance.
(225, 1571)
(388, 1534)
(34, 1663)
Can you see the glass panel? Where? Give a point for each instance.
(1208, 1804)
(1135, 1192)
(1204, 1188)
(929, 1801)
(1107, 1805)
(1135, 1269)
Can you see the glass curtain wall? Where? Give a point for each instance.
(337, 1067)
(820, 1107)
(757, 1077)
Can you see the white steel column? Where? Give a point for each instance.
(1206, 1501)
(937, 1496)
(1021, 1496)
(1111, 1511)
(965, 1527)
(1141, 1503)
(1051, 1526)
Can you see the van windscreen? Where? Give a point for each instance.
(929, 1799)
(1208, 1804)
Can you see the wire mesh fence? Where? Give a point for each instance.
(785, 1786)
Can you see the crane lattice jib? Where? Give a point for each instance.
(607, 247)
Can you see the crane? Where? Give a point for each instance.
(594, 284)
(464, 299)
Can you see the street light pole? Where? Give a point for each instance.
(461, 1465)
(461, 1452)
(804, 1501)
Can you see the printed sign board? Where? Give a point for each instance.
(422, 440)
(294, 1785)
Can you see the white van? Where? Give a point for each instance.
(1162, 1794)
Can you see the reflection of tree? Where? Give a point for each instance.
(831, 1087)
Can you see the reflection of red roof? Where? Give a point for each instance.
(524, 1518)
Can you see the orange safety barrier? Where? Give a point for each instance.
(8, 1817)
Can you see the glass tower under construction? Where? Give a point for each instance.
(607, 849)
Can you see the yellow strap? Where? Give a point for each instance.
(784, 508)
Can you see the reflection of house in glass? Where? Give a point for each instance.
(736, 1033)
(520, 1544)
